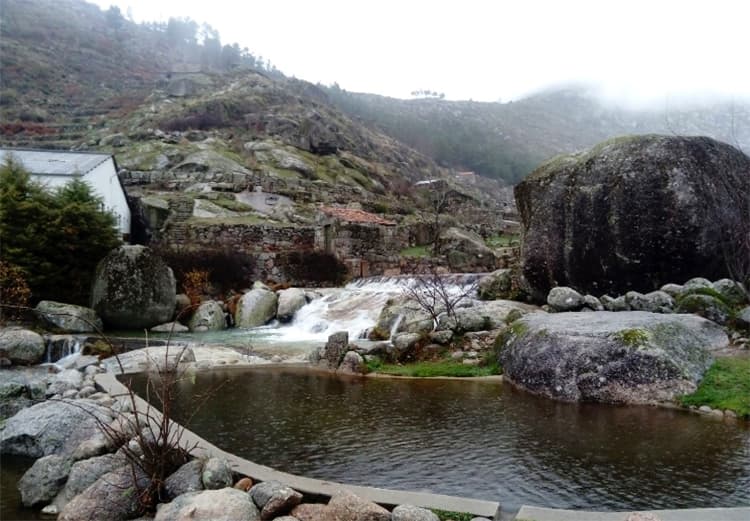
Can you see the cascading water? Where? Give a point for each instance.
(62, 350)
(356, 307)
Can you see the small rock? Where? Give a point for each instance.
(185, 479)
(217, 474)
(412, 513)
(244, 484)
(353, 363)
(170, 327)
(345, 505)
(274, 499)
(50, 510)
(563, 298)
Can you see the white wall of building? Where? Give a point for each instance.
(105, 184)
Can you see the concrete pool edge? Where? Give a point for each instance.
(692, 514)
(389, 497)
(109, 383)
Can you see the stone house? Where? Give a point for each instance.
(364, 241)
(55, 168)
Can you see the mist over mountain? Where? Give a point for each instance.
(73, 74)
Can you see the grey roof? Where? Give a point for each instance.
(55, 162)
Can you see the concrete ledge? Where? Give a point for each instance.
(528, 513)
(491, 509)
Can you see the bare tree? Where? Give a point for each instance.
(436, 295)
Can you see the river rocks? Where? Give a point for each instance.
(41, 483)
(21, 346)
(353, 363)
(290, 301)
(188, 478)
(484, 315)
(496, 285)
(335, 349)
(412, 513)
(401, 317)
(706, 306)
(84, 473)
(274, 499)
(208, 317)
(227, 504)
(112, 497)
(68, 317)
(312, 512)
(630, 214)
(564, 299)
(733, 293)
(133, 289)
(654, 302)
(625, 357)
(216, 474)
(51, 427)
(347, 506)
(255, 308)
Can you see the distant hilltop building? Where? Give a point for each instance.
(55, 168)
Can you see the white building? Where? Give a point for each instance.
(55, 168)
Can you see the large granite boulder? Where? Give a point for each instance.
(208, 317)
(632, 213)
(255, 308)
(84, 473)
(68, 318)
(401, 316)
(52, 427)
(21, 346)
(623, 357)
(133, 289)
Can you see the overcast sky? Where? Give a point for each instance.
(653, 50)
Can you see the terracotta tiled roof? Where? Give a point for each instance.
(356, 216)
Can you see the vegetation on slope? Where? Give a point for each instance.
(726, 385)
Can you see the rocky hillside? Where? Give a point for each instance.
(508, 140)
(182, 119)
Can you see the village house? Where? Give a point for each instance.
(55, 168)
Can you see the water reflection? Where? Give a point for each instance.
(474, 439)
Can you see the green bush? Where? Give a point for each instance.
(55, 237)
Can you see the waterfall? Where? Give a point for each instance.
(356, 307)
(63, 350)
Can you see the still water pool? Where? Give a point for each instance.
(472, 438)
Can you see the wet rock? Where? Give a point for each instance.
(133, 289)
(46, 477)
(706, 306)
(68, 317)
(274, 498)
(51, 427)
(290, 301)
(335, 349)
(69, 379)
(185, 479)
(113, 497)
(21, 346)
(412, 513)
(496, 285)
(345, 505)
(208, 317)
(353, 363)
(227, 504)
(216, 474)
(625, 357)
(564, 299)
(255, 308)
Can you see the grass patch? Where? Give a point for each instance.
(431, 369)
(502, 241)
(416, 251)
(446, 515)
(726, 385)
